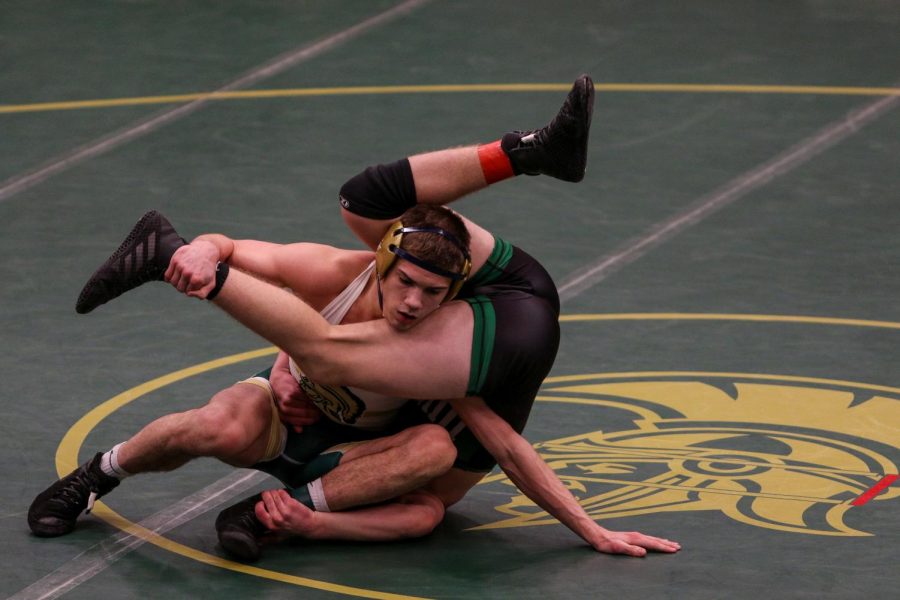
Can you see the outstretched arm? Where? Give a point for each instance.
(315, 272)
(528, 471)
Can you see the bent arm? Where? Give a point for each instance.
(315, 272)
(528, 471)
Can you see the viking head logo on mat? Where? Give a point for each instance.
(782, 453)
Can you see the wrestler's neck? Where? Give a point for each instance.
(367, 306)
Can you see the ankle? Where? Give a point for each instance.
(311, 495)
(495, 162)
(109, 463)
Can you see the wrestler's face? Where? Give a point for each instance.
(411, 293)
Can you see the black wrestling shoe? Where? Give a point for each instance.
(559, 149)
(240, 531)
(143, 256)
(55, 510)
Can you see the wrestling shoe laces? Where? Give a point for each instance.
(239, 530)
(143, 256)
(559, 149)
(55, 510)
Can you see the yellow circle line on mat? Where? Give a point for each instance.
(729, 317)
(67, 458)
(70, 446)
(447, 89)
(631, 375)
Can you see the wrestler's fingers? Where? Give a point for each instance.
(662, 545)
(276, 509)
(202, 292)
(631, 550)
(654, 543)
(272, 507)
(175, 266)
(183, 280)
(263, 515)
(180, 282)
(279, 500)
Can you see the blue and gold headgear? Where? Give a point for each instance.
(389, 250)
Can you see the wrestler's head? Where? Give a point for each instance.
(421, 263)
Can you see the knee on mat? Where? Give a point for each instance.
(427, 512)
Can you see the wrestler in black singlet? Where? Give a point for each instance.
(516, 310)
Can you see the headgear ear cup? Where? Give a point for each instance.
(456, 285)
(384, 258)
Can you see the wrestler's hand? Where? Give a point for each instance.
(633, 543)
(294, 406)
(283, 515)
(192, 269)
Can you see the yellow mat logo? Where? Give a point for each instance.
(786, 453)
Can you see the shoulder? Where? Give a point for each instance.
(318, 272)
(324, 260)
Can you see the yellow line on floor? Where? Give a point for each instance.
(447, 89)
(730, 317)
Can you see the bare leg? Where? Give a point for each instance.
(369, 355)
(385, 468)
(446, 175)
(558, 150)
(453, 485)
(412, 515)
(233, 427)
(440, 178)
(371, 472)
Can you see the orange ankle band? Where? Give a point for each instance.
(494, 163)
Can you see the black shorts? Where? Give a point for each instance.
(516, 310)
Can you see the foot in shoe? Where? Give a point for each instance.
(239, 530)
(559, 149)
(143, 256)
(55, 510)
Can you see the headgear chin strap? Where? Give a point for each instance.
(389, 249)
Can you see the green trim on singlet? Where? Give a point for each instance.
(482, 342)
(493, 267)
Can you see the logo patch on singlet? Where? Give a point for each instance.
(338, 403)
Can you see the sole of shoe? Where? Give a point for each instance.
(50, 530)
(239, 544)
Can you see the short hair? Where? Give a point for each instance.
(432, 247)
